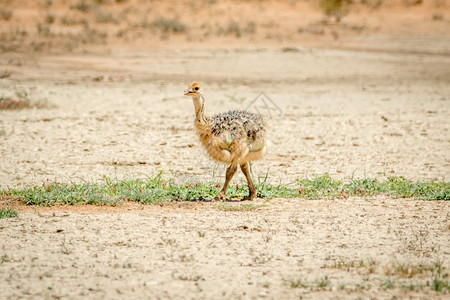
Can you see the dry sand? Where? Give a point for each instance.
(370, 105)
(197, 251)
(345, 112)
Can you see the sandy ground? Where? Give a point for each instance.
(197, 251)
(361, 113)
(373, 104)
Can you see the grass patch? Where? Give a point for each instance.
(407, 276)
(21, 100)
(12, 103)
(410, 270)
(8, 212)
(157, 190)
(362, 266)
(323, 282)
(240, 207)
(6, 14)
(169, 25)
(395, 187)
(335, 8)
(235, 29)
(82, 6)
(388, 285)
(297, 283)
(440, 285)
(319, 284)
(102, 17)
(72, 22)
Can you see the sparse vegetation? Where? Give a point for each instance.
(50, 19)
(335, 8)
(412, 2)
(155, 190)
(235, 29)
(297, 283)
(5, 14)
(5, 74)
(435, 284)
(362, 266)
(440, 285)
(72, 22)
(388, 284)
(169, 25)
(7, 103)
(339, 8)
(43, 30)
(124, 21)
(410, 270)
(437, 17)
(401, 275)
(321, 283)
(194, 277)
(4, 258)
(82, 6)
(21, 100)
(240, 207)
(102, 17)
(8, 212)
(92, 36)
(261, 258)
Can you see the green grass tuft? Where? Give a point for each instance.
(440, 285)
(8, 213)
(388, 284)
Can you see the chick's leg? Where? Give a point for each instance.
(229, 175)
(251, 186)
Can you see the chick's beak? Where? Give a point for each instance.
(187, 92)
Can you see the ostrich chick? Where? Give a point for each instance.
(234, 138)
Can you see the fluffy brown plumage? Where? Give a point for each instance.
(240, 123)
(234, 138)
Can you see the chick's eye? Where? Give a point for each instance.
(196, 88)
